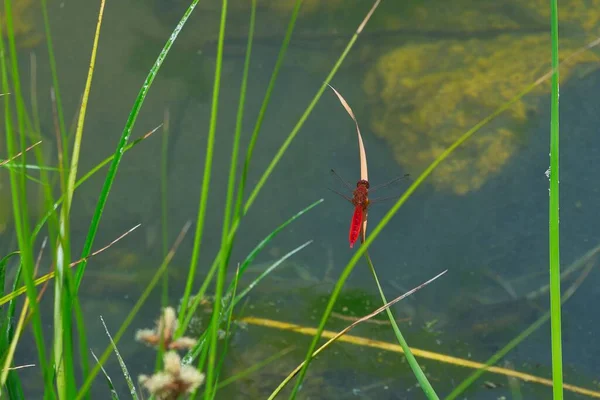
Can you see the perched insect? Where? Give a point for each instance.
(360, 201)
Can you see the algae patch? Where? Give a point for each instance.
(426, 95)
(23, 23)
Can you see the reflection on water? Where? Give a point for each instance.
(422, 74)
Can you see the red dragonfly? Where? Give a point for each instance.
(360, 200)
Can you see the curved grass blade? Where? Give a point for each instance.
(420, 353)
(138, 305)
(228, 332)
(311, 106)
(225, 251)
(280, 152)
(266, 272)
(212, 354)
(111, 387)
(126, 374)
(586, 260)
(247, 261)
(18, 196)
(55, 86)
(124, 139)
(7, 161)
(386, 306)
(193, 353)
(3, 262)
(62, 302)
(409, 191)
(255, 367)
(44, 278)
(83, 179)
(414, 364)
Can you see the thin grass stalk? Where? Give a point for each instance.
(21, 221)
(238, 126)
(164, 207)
(18, 96)
(280, 152)
(274, 162)
(203, 205)
(339, 335)
(55, 85)
(224, 252)
(414, 364)
(555, 322)
(226, 244)
(118, 155)
(8, 313)
(84, 178)
(227, 330)
(124, 370)
(62, 304)
(493, 360)
(405, 196)
(164, 184)
(89, 379)
(229, 202)
(255, 367)
(13, 385)
(239, 211)
(247, 261)
(39, 155)
(81, 338)
(261, 182)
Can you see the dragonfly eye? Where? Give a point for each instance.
(363, 182)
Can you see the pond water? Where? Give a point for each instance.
(419, 76)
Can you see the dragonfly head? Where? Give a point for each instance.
(363, 182)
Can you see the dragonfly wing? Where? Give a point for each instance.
(355, 225)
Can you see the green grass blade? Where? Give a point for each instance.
(164, 208)
(405, 196)
(193, 353)
(414, 365)
(555, 322)
(228, 320)
(136, 308)
(56, 88)
(111, 387)
(20, 214)
(84, 178)
(164, 184)
(247, 261)
(261, 114)
(29, 166)
(458, 390)
(303, 118)
(3, 262)
(82, 338)
(212, 355)
(13, 383)
(226, 245)
(63, 350)
(207, 170)
(266, 272)
(126, 375)
(255, 367)
(124, 139)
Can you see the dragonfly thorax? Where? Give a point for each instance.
(360, 196)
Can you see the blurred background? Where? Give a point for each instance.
(421, 74)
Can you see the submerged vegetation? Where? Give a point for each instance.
(430, 100)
